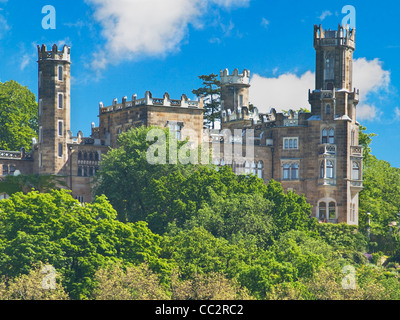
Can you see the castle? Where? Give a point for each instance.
(312, 153)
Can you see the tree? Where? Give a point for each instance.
(18, 117)
(211, 92)
(126, 172)
(76, 240)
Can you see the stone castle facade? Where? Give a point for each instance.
(312, 153)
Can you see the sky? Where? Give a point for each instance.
(125, 47)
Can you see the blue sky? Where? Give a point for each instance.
(125, 47)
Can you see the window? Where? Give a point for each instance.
(60, 150)
(322, 170)
(332, 211)
(291, 171)
(240, 100)
(60, 101)
(60, 73)
(60, 128)
(356, 171)
(329, 169)
(295, 171)
(328, 109)
(40, 160)
(40, 134)
(176, 130)
(260, 167)
(5, 170)
(286, 171)
(322, 211)
(247, 167)
(80, 172)
(324, 136)
(80, 155)
(290, 143)
(40, 79)
(353, 138)
(40, 106)
(331, 136)
(254, 168)
(96, 156)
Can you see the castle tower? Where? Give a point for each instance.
(334, 126)
(54, 109)
(235, 90)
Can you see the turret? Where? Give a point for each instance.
(54, 108)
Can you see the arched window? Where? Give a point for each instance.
(79, 155)
(85, 172)
(322, 211)
(90, 156)
(329, 169)
(260, 167)
(324, 136)
(295, 171)
(254, 168)
(332, 210)
(286, 171)
(328, 109)
(331, 136)
(85, 156)
(79, 171)
(96, 156)
(222, 162)
(353, 134)
(247, 167)
(356, 171)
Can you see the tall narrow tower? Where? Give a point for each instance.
(235, 90)
(54, 109)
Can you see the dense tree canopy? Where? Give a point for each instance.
(18, 117)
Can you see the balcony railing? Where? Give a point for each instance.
(327, 149)
(356, 151)
(356, 183)
(326, 182)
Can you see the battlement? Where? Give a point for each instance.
(235, 77)
(343, 36)
(54, 54)
(148, 100)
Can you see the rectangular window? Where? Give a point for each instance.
(291, 143)
(40, 134)
(5, 169)
(240, 100)
(60, 73)
(60, 128)
(60, 150)
(40, 79)
(60, 101)
(40, 106)
(40, 160)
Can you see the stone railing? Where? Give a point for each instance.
(326, 182)
(10, 155)
(356, 151)
(327, 149)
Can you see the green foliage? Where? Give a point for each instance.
(27, 183)
(18, 117)
(76, 240)
(210, 92)
(126, 173)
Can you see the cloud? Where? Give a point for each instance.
(4, 27)
(325, 14)
(265, 23)
(290, 91)
(137, 28)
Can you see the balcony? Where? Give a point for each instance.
(356, 151)
(327, 149)
(326, 182)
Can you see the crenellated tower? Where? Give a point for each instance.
(54, 109)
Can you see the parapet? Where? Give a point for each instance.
(235, 77)
(148, 100)
(54, 54)
(343, 36)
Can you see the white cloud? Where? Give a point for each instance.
(325, 14)
(265, 22)
(133, 28)
(290, 91)
(4, 27)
